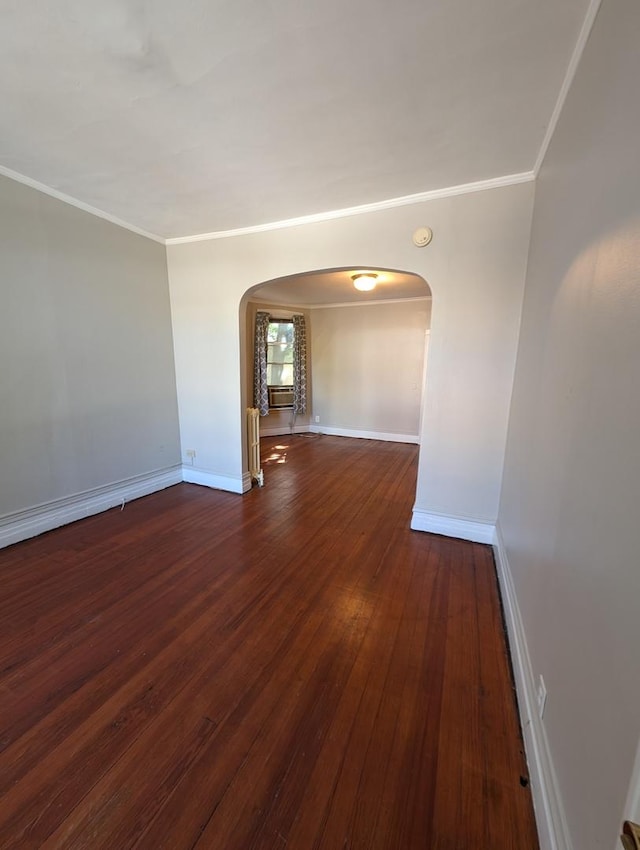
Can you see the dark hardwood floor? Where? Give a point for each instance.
(293, 669)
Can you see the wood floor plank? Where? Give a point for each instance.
(293, 668)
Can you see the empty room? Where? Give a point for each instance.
(319, 477)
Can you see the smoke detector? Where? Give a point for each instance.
(422, 237)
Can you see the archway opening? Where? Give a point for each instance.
(367, 353)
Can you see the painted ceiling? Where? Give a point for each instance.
(208, 115)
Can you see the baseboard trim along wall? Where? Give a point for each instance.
(452, 526)
(283, 430)
(21, 525)
(553, 831)
(364, 435)
(230, 483)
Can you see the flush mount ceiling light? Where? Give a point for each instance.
(364, 282)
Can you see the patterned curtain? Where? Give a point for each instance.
(299, 365)
(260, 390)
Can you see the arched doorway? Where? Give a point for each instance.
(367, 351)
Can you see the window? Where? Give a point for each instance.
(280, 363)
(280, 353)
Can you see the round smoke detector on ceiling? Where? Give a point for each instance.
(422, 237)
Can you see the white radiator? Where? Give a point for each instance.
(253, 439)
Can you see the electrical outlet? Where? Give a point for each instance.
(317, 419)
(190, 453)
(541, 697)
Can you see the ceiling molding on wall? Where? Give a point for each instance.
(270, 303)
(375, 303)
(576, 56)
(420, 197)
(283, 306)
(74, 202)
(377, 206)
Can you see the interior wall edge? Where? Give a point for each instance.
(553, 830)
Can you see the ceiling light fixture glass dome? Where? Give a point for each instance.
(365, 282)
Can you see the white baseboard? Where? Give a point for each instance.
(230, 483)
(452, 526)
(553, 831)
(33, 521)
(283, 430)
(364, 435)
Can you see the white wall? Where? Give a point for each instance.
(570, 506)
(475, 268)
(367, 366)
(87, 381)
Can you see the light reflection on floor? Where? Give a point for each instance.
(278, 455)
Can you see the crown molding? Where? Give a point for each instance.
(74, 202)
(406, 200)
(268, 302)
(377, 206)
(375, 303)
(576, 56)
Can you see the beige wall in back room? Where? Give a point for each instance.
(570, 506)
(87, 379)
(367, 364)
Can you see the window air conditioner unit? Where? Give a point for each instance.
(280, 396)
